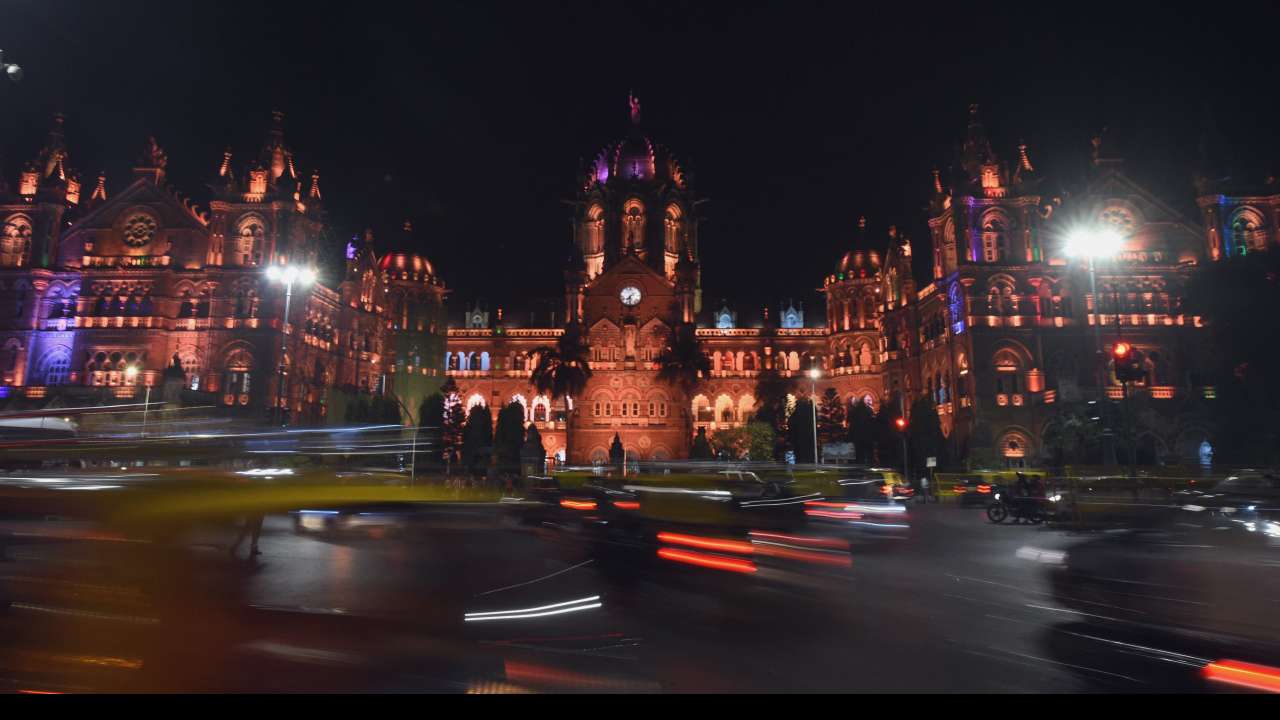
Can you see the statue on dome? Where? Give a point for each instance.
(634, 102)
(153, 156)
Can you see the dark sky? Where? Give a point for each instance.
(796, 118)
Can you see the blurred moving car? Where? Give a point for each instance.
(1250, 491)
(1207, 580)
(973, 490)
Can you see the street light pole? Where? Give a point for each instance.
(146, 406)
(413, 453)
(1093, 243)
(131, 372)
(284, 347)
(286, 275)
(814, 374)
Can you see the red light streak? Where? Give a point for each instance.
(626, 504)
(810, 556)
(1242, 674)
(707, 561)
(800, 540)
(578, 504)
(736, 546)
(836, 515)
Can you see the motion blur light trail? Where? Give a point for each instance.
(716, 562)
(1242, 674)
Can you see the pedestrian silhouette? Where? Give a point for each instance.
(252, 523)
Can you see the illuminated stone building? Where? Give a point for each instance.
(1001, 336)
(1005, 332)
(92, 285)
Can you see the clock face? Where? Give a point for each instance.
(630, 295)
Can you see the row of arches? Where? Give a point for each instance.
(536, 410)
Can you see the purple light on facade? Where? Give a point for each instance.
(351, 249)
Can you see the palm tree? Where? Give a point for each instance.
(562, 371)
(682, 362)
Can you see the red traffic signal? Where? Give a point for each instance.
(1121, 350)
(901, 423)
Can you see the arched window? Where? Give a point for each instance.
(54, 367)
(1247, 234)
(1008, 367)
(474, 400)
(239, 370)
(249, 237)
(673, 237)
(633, 226)
(995, 241)
(1000, 300)
(15, 240)
(702, 410)
(593, 242)
(724, 321)
(724, 409)
(541, 405)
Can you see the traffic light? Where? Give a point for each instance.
(1128, 362)
(901, 423)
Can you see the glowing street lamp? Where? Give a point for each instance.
(131, 373)
(287, 275)
(1095, 243)
(11, 70)
(814, 374)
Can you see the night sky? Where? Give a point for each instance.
(470, 118)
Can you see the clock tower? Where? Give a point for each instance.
(633, 280)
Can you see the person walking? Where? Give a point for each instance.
(252, 523)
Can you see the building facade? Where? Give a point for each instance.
(1006, 332)
(101, 295)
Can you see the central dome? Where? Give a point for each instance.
(402, 263)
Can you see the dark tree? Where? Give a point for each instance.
(509, 437)
(800, 431)
(455, 419)
(924, 435)
(617, 454)
(477, 437)
(701, 449)
(862, 431)
(1236, 298)
(772, 389)
(431, 426)
(831, 427)
(682, 363)
(562, 369)
(888, 437)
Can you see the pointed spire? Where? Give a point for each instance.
(224, 170)
(315, 185)
(54, 151)
(1104, 149)
(152, 162)
(937, 181)
(1024, 161)
(977, 147)
(277, 128)
(100, 190)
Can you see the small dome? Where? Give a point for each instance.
(406, 263)
(855, 260)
